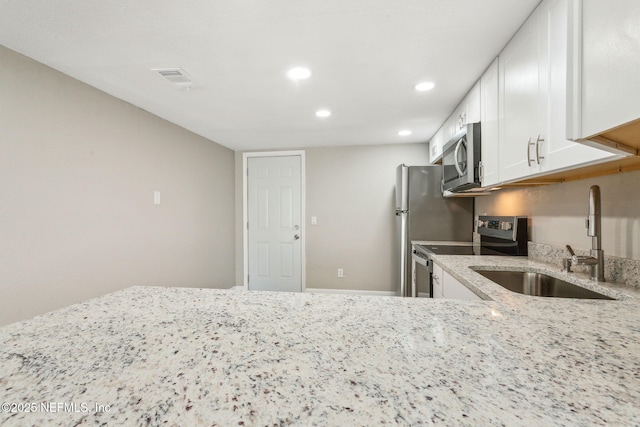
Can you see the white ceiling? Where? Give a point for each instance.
(365, 57)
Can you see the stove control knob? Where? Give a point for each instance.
(506, 225)
(482, 223)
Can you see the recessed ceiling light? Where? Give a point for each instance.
(424, 86)
(405, 132)
(323, 113)
(299, 73)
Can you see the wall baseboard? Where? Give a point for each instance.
(350, 292)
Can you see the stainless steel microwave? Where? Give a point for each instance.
(461, 160)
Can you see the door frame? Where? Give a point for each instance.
(245, 213)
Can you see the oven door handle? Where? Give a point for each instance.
(420, 260)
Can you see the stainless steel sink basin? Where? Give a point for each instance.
(539, 284)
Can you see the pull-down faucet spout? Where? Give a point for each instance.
(593, 220)
(595, 231)
(593, 224)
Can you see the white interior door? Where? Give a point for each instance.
(274, 223)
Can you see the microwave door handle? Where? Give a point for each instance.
(455, 157)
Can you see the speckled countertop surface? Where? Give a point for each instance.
(188, 357)
(463, 269)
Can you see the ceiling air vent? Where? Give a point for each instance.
(177, 76)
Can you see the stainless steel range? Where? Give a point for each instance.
(499, 236)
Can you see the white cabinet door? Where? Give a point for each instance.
(468, 111)
(450, 127)
(522, 99)
(560, 152)
(437, 281)
(435, 146)
(432, 150)
(446, 286)
(452, 288)
(611, 64)
(488, 89)
(529, 126)
(535, 92)
(459, 117)
(472, 102)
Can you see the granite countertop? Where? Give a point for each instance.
(463, 269)
(180, 356)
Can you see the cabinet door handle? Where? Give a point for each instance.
(538, 156)
(529, 144)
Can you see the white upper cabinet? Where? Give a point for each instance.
(473, 104)
(560, 152)
(535, 91)
(611, 64)
(435, 146)
(610, 70)
(459, 117)
(468, 111)
(488, 85)
(452, 125)
(522, 99)
(552, 86)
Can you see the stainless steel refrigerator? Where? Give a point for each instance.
(422, 213)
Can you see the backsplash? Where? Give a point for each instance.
(557, 215)
(616, 269)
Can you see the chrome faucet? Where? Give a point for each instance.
(593, 224)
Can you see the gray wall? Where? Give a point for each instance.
(557, 212)
(77, 173)
(351, 192)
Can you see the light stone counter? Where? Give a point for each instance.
(462, 268)
(189, 357)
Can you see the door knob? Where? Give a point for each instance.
(297, 236)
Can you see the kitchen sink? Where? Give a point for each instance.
(539, 284)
